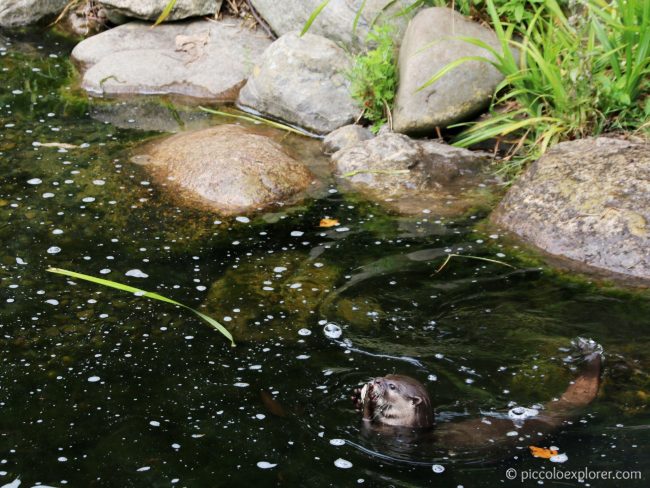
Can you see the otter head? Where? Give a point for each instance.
(398, 401)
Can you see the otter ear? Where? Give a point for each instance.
(416, 400)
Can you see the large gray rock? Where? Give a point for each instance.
(588, 201)
(228, 169)
(336, 20)
(432, 175)
(302, 80)
(209, 60)
(14, 13)
(430, 43)
(151, 9)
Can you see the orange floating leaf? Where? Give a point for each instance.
(542, 452)
(328, 222)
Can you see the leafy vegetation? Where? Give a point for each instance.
(374, 77)
(576, 76)
(583, 69)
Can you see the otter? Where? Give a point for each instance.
(397, 402)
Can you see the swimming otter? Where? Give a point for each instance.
(397, 401)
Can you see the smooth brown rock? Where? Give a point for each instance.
(228, 169)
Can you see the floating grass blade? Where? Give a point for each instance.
(165, 13)
(119, 286)
(449, 256)
(355, 172)
(256, 119)
(313, 16)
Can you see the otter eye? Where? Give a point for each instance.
(391, 386)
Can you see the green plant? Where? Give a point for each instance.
(575, 77)
(374, 77)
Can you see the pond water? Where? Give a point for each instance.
(103, 388)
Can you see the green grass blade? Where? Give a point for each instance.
(358, 16)
(119, 286)
(454, 64)
(313, 16)
(165, 13)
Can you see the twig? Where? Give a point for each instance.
(261, 21)
(449, 256)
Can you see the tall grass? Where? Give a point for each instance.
(576, 76)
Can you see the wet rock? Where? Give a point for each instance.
(345, 136)
(14, 13)
(151, 9)
(228, 169)
(588, 201)
(335, 21)
(429, 44)
(302, 80)
(207, 60)
(395, 166)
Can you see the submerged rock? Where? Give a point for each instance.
(302, 80)
(208, 60)
(14, 13)
(345, 136)
(228, 169)
(151, 9)
(336, 20)
(588, 201)
(424, 173)
(273, 296)
(430, 43)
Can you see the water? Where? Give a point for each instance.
(101, 388)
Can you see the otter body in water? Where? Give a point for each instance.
(397, 401)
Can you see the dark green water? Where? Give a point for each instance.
(100, 388)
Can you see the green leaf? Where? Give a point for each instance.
(313, 16)
(165, 13)
(119, 286)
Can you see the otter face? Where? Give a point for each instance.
(397, 400)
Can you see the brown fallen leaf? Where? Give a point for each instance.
(272, 405)
(542, 452)
(328, 222)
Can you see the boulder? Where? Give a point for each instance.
(336, 20)
(430, 43)
(588, 201)
(151, 9)
(424, 174)
(207, 60)
(228, 169)
(14, 13)
(345, 136)
(302, 80)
